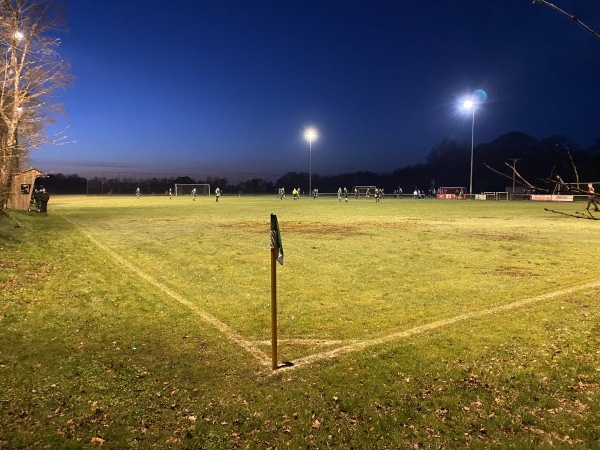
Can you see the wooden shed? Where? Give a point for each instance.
(22, 189)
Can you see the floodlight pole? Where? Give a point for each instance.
(310, 135)
(472, 145)
(310, 167)
(514, 166)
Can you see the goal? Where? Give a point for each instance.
(186, 189)
(364, 191)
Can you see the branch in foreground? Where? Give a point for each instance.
(519, 179)
(570, 16)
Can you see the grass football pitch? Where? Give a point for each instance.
(146, 323)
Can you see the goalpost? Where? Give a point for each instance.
(363, 190)
(186, 189)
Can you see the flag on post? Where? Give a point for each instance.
(276, 255)
(276, 238)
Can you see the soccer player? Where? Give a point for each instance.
(194, 194)
(591, 198)
(217, 193)
(339, 194)
(170, 194)
(345, 194)
(137, 192)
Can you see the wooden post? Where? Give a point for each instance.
(274, 254)
(276, 257)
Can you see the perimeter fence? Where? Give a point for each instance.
(99, 183)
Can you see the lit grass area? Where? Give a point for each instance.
(410, 323)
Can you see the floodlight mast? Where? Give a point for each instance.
(310, 135)
(468, 104)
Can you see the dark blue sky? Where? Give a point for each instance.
(226, 88)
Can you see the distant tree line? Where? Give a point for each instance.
(447, 164)
(149, 185)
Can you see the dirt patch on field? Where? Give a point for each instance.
(500, 237)
(515, 272)
(299, 228)
(330, 229)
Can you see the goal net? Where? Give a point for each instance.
(186, 189)
(365, 191)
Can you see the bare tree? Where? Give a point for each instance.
(554, 182)
(32, 71)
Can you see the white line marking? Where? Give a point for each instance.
(308, 341)
(222, 327)
(434, 325)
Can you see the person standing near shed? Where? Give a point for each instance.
(44, 198)
(37, 198)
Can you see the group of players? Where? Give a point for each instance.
(377, 194)
(194, 193)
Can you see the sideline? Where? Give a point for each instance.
(247, 345)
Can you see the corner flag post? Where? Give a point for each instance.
(276, 256)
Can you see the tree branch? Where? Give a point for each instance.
(570, 16)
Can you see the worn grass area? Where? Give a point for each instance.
(410, 323)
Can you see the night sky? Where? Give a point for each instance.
(226, 88)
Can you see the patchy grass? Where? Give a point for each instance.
(410, 324)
